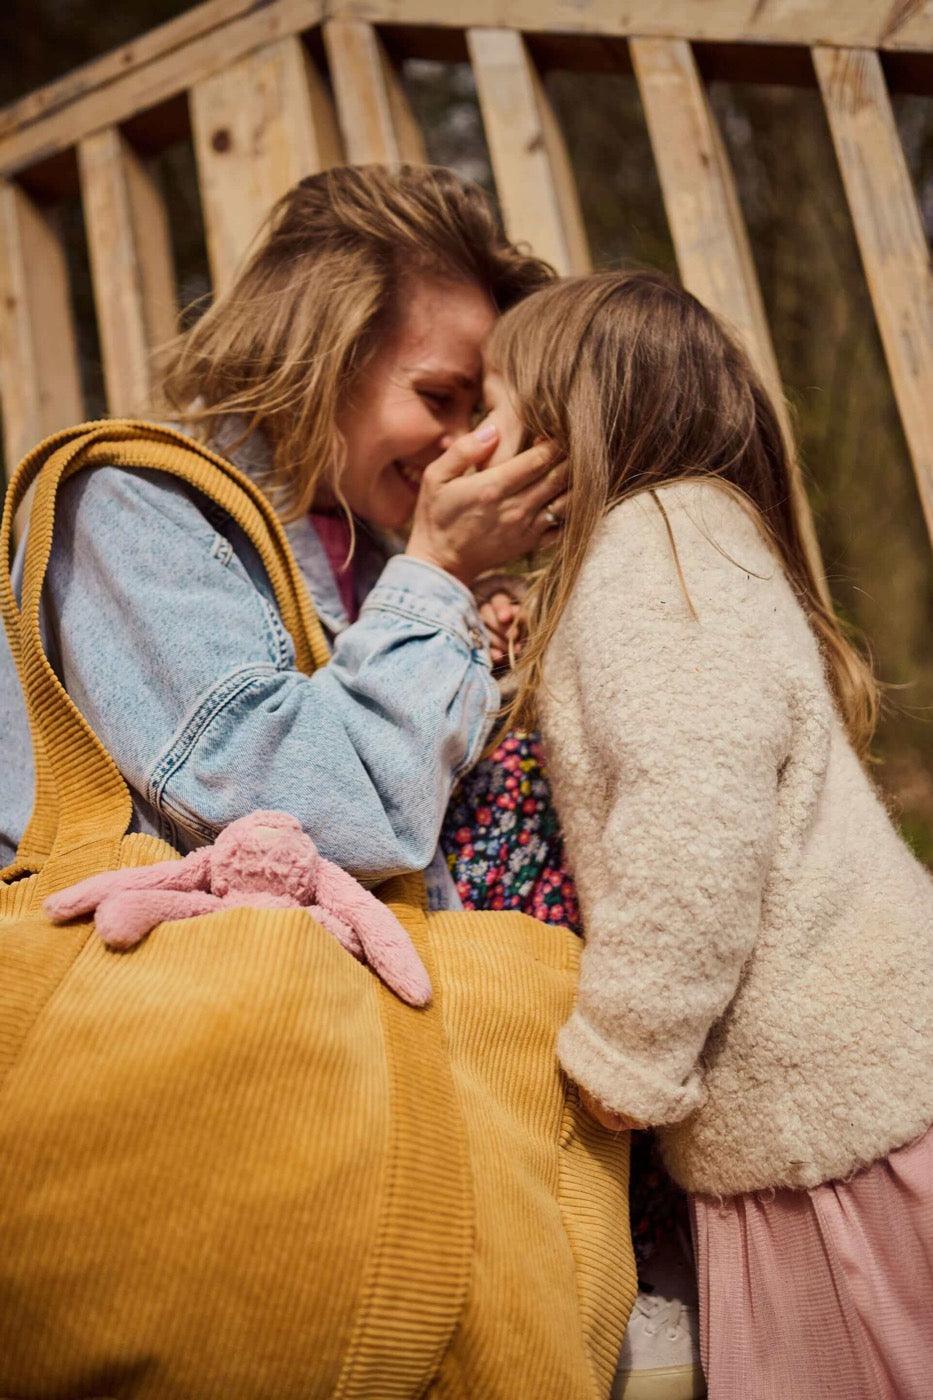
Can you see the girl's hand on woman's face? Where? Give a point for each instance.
(469, 520)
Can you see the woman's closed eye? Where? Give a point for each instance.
(437, 398)
(452, 407)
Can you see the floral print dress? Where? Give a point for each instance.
(502, 841)
(505, 851)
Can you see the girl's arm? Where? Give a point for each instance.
(667, 737)
(181, 665)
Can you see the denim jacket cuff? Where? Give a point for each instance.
(421, 591)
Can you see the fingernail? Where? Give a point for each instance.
(486, 433)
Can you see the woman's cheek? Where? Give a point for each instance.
(413, 430)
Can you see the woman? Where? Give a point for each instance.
(342, 371)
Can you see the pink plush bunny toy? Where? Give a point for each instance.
(265, 861)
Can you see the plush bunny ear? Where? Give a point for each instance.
(386, 946)
(341, 930)
(124, 918)
(192, 873)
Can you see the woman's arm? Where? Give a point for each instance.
(181, 664)
(668, 735)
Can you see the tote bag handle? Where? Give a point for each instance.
(82, 803)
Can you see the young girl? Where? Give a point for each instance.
(756, 977)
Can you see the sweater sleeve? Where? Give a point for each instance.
(683, 723)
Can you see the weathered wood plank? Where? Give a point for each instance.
(891, 239)
(707, 228)
(163, 76)
(171, 58)
(131, 265)
(375, 117)
(259, 126)
(908, 28)
(145, 48)
(888, 23)
(39, 377)
(532, 171)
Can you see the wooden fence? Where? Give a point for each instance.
(271, 90)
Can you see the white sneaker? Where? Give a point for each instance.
(660, 1357)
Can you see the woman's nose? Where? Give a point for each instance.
(459, 421)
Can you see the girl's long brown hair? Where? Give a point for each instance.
(282, 347)
(638, 384)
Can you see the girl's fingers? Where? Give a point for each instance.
(513, 586)
(504, 608)
(493, 624)
(615, 1122)
(501, 616)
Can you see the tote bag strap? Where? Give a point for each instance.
(82, 803)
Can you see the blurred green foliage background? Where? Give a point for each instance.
(858, 471)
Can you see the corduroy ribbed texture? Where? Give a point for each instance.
(231, 1162)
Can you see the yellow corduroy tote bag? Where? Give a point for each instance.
(232, 1164)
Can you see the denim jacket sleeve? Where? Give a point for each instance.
(176, 654)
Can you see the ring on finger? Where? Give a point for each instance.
(552, 518)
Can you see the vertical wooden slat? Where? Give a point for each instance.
(259, 126)
(707, 228)
(534, 178)
(375, 117)
(39, 376)
(891, 239)
(131, 265)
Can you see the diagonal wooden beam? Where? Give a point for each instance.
(890, 237)
(127, 86)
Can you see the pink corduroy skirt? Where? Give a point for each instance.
(822, 1294)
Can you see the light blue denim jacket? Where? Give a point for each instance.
(161, 623)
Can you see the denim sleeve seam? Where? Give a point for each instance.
(277, 638)
(477, 740)
(193, 729)
(412, 615)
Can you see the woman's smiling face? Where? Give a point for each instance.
(418, 393)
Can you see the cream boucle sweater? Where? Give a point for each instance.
(756, 975)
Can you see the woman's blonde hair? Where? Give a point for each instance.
(638, 384)
(282, 347)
